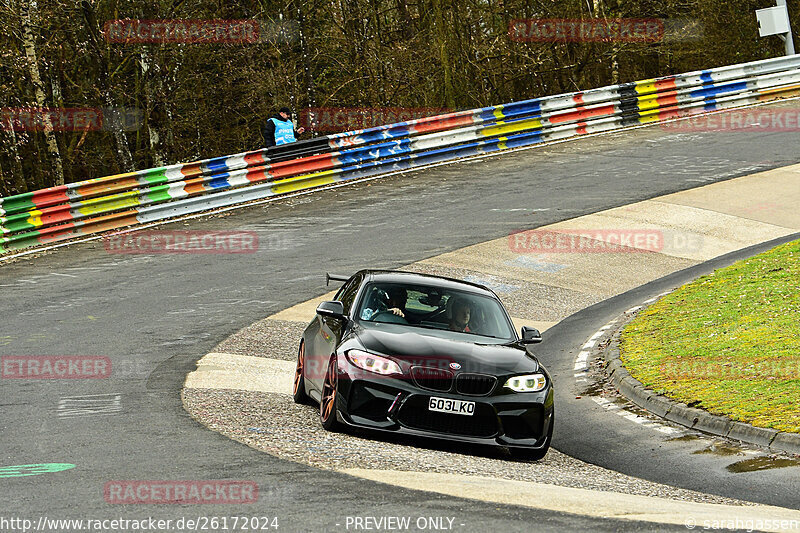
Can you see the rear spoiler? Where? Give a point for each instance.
(334, 277)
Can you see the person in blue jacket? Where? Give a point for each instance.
(280, 129)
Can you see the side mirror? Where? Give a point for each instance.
(530, 335)
(332, 309)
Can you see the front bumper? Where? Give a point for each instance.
(505, 418)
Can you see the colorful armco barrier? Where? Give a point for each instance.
(111, 202)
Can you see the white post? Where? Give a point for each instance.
(788, 38)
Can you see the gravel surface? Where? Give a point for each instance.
(275, 424)
(276, 339)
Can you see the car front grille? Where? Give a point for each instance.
(416, 415)
(475, 384)
(432, 378)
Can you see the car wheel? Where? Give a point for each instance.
(299, 389)
(526, 454)
(327, 404)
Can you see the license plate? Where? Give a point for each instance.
(458, 407)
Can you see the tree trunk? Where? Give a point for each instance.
(28, 10)
(309, 77)
(146, 65)
(3, 187)
(125, 159)
(444, 55)
(17, 177)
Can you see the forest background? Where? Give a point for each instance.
(170, 102)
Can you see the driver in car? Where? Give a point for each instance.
(396, 303)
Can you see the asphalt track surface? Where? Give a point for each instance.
(155, 315)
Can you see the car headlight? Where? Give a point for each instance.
(373, 363)
(529, 383)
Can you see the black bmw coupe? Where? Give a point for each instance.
(428, 356)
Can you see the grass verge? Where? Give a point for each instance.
(728, 342)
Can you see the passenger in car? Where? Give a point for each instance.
(460, 315)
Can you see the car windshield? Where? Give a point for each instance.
(434, 308)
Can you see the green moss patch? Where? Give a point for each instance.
(729, 342)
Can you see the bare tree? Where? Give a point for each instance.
(125, 159)
(28, 17)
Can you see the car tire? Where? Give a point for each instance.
(329, 397)
(299, 389)
(526, 454)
